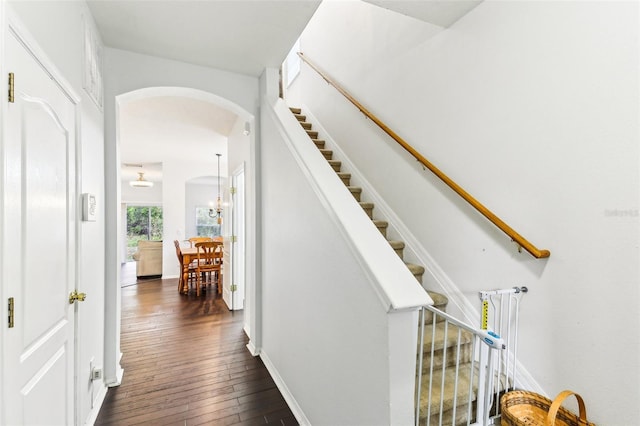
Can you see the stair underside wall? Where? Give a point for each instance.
(324, 328)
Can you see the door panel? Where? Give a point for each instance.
(235, 299)
(39, 248)
(44, 158)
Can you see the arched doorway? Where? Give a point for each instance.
(240, 149)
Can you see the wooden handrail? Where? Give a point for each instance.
(519, 239)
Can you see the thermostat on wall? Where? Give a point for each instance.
(89, 208)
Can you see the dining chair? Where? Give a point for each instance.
(194, 240)
(190, 269)
(209, 264)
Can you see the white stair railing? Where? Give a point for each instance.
(462, 370)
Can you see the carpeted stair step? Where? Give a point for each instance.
(450, 345)
(398, 247)
(440, 302)
(305, 125)
(300, 117)
(312, 134)
(345, 177)
(328, 154)
(416, 270)
(382, 226)
(446, 399)
(319, 143)
(295, 110)
(355, 191)
(335, 164)
(368, 209)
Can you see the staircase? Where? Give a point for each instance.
(446, 355)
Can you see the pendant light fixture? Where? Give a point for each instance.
(141, 182)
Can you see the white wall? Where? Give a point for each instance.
(58, 28)
(532, 107)
(141, 196)
(176, 174)
(198, 195)
(127, 72)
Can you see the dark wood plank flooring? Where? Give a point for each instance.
(186, 363)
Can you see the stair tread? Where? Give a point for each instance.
(344, 175)
(438, 299)
(300, 117)
(434, 401)
(354, 188)
(415, 269)
(327, 153)
(396, 245)
(380, 223)
(440, 342)
(367, 207)
(295, 110)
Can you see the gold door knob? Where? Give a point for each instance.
(76, 296)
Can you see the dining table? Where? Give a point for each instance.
(190, 254)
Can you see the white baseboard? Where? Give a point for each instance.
(97, 404)
(252, 349)
(119, 374)
(284, 390)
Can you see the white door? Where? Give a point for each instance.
(234, 296)
(38, 241)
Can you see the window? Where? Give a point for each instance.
(206, 226)
(143, 223)
(292, 63)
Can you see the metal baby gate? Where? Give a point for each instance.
(463, 370)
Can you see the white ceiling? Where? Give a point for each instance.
(154, 129)
(438, 12)
(242, 36)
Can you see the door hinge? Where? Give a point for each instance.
(11, 96)
(232, 190)
(234, 287)
(11, 312)
(234, 239)
(80, 297)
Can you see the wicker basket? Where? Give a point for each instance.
(520, 408)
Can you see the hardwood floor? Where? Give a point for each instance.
(186, 363)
